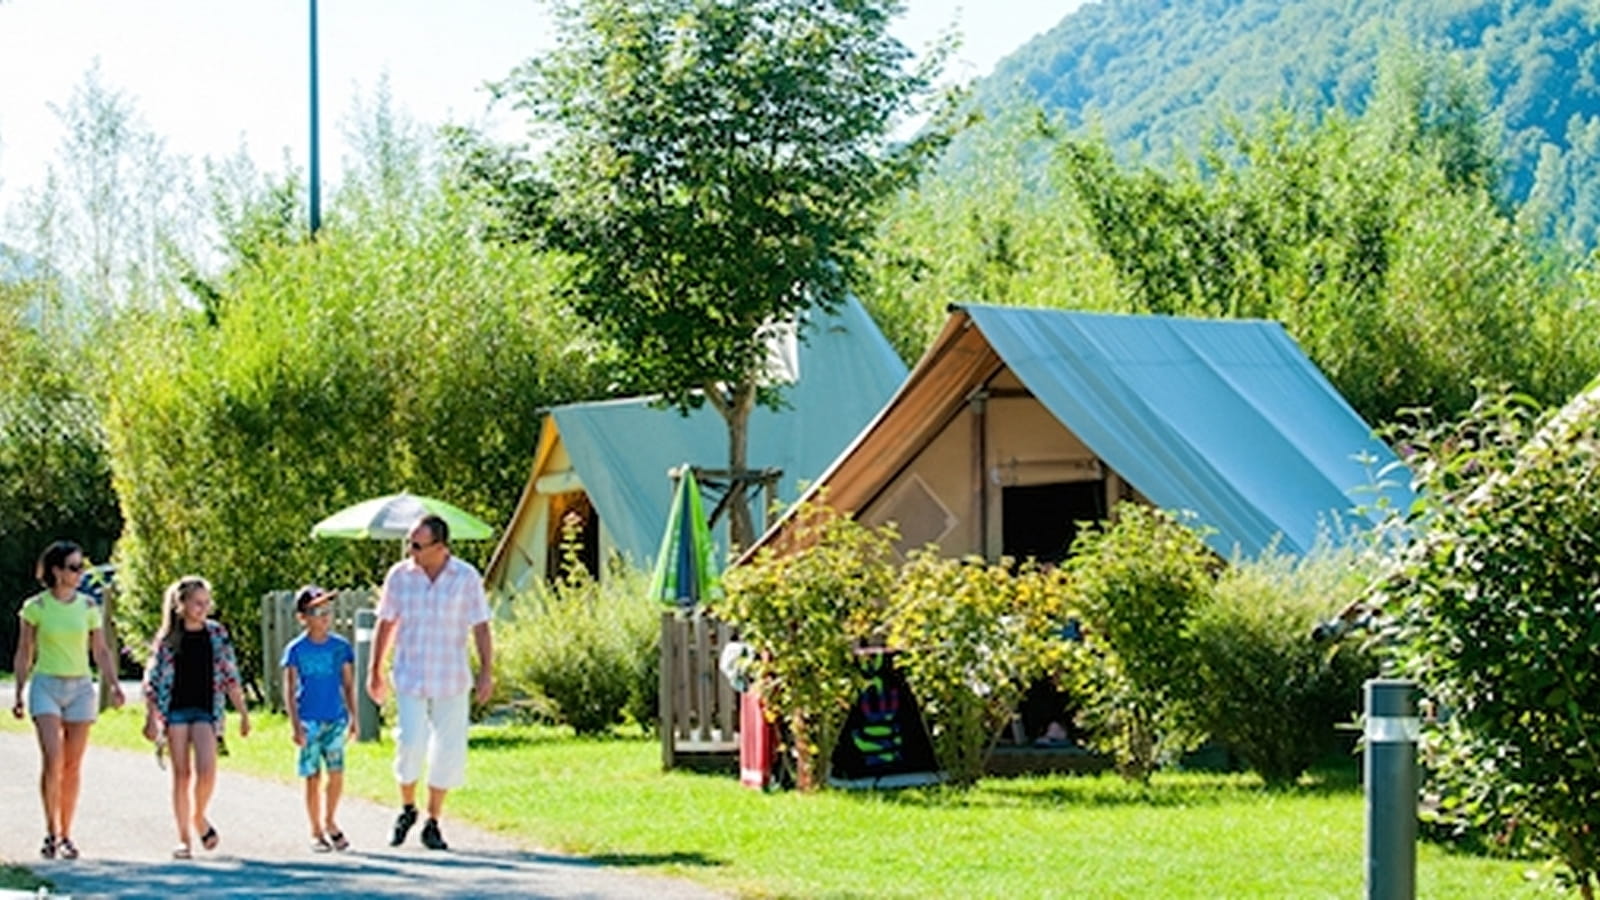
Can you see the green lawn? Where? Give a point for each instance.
(1186, 835)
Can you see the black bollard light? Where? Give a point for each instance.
(1389, 770)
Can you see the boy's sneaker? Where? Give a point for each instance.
(431, 838)
(402, 825)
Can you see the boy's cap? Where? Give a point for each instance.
(312, 595)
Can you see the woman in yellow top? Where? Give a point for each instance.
(58, 626)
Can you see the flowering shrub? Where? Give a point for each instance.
(806, 613)
(1137, 580)
(970, 638)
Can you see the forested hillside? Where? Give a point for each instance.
(1155, 74)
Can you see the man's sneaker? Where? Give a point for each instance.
(431, 838)
(402, 825)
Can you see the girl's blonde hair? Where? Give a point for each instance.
(172, 604)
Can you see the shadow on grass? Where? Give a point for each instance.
(1331, 777)
(507, 739)
(656, 859)
(381, 874)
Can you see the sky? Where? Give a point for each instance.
(210, 76)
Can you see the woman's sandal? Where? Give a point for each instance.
(210, 838)
(48, 850)
(66, 849)
(339, 841)
(319, 844)
(182, 852)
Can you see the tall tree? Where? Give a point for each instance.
(116, 209)
(716, 166)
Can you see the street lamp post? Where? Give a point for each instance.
(316, 168)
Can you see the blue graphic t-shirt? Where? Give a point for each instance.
(320, 667)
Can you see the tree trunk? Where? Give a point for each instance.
(741, 530)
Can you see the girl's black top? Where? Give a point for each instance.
(191, 686)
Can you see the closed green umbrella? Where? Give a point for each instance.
(686, 568)
(392, 517)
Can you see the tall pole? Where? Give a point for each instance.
(1390, 773)
(316, 167)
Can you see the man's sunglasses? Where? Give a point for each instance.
(416, 545)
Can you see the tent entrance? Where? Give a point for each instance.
(574, 521)
(1041, 520)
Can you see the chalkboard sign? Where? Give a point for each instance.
(884, 742)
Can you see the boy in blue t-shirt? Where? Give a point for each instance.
(319, 688)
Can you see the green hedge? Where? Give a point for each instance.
(1267, 691)
(372, 361)
(582, 652)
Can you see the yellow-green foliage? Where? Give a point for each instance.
(1137, 580)
(369, 362)
(806, 613)
(1399, 270)
(1498, 618)
(1266, 691)
(55, 477)
(581, 652)
(971, 636)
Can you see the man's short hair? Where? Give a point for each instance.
(437, 527)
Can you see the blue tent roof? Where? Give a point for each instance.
(1227, 418)
(622, 449)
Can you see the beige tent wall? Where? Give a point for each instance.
(525, 566)
(932, 500)
(946, 496)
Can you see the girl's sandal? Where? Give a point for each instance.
(339, 841)
(48, 849)
(209, 839)
(319, 844)
(66, 849)
(182, 852)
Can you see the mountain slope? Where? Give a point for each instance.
(1159, 74)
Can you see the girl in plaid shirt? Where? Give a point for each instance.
(192, 667)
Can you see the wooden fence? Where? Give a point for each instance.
(279, 626)
(699, 708)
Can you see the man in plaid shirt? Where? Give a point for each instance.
(430, 602)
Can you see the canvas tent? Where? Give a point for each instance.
(1017, 423)
(606, 463)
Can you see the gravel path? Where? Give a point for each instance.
(124, 829)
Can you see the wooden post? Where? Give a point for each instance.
(698, 684)
(269, 630)
(667, 689)
(108, 628)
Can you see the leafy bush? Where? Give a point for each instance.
(1137, 580)
(581, 652)
(805, 613)
(970, 638)
(55, 474)
(1497, 617)
(1266, 691)
(395, 356)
